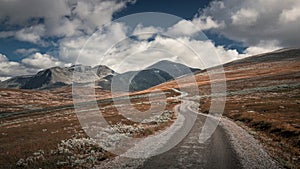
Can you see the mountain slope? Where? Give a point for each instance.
(153, 75)
(172, 68)
(263, 93)
(52, 78)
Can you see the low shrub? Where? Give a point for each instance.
(261, 125)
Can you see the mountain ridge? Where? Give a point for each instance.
(155, 74)
(54, 77)
(158, 73)
(51, 77)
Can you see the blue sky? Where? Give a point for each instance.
(37, 34)
(186, 10)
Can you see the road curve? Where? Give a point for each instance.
(215, 153)
(229, 146)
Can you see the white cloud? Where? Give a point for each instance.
(96, 13)
(204, 23)
(10, 68)
(3, 58)
(244, 17)
(31, 34)
(25, 52)
(83, 18)
(42, 61)
(102, 40)
(74, 21)
(149, 29)
(4, 78)
(290, 15)
(144, 33)
(27, 66)
(251, 21)
(63, 27)
(136, 55)
(60, 18)
(189, 28)
(183, 27)
(262, 47)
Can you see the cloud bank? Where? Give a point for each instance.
(257, 22)
(261, 25)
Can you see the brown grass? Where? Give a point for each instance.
(22, 136)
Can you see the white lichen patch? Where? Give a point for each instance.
(37, 156)
(79, 152)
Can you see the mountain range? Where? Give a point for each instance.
(106, 78)
(52, 77)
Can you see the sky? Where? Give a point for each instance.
(38, 34)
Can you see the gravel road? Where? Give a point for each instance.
(229, 147)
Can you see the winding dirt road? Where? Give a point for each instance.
(229, 147)
(216, 152)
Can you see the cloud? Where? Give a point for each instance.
(72, 23)
(10, 68)
(27, 66)
(290, 15)
(144, 33)
(25, 52)
(254, 21)
(138, 54)
(57, 18)
(245, 17)
(205, 23)
(31, 34)
(90, 53)
(262, 47)
(41, 61)
(111, 46)
(3, 58)
(89, 12)
(6, 34)
(4, 78)
(189, 28)
(19, 12)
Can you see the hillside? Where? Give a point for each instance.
(153, 75)
(263, 95)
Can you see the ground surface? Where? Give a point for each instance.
(262, 98)
(189, 153)
(228, 147)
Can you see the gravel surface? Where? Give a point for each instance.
(250, 151)
(146, 145)
(229, 147)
